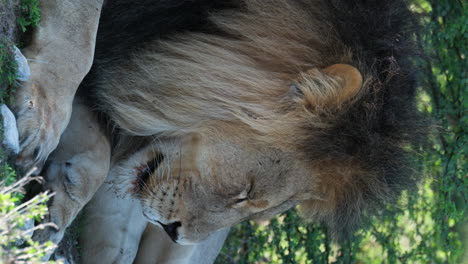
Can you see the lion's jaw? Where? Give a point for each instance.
(203, 184)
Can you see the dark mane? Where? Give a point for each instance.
(374, 140)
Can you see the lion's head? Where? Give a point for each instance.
(226, 172)
(262, 117)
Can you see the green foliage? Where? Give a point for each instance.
(424, 228)
(447, 47)
(17, 220)
(30, 14)
(8, 68)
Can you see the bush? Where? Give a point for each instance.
(17, 220)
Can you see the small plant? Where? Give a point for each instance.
(8, 67)
(30, 14)
(16, 245)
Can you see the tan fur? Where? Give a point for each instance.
(349, 79)
(112, 227)
(60, 55)
(74, 171)
(226, 79)
(336, 180)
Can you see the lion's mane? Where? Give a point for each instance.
(229, 56)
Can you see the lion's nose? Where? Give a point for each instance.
(171, 229)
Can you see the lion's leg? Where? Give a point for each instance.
(112, 227)
(156, 247)
(74, 171)
(60, 55)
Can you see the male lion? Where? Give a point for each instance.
(222, 111)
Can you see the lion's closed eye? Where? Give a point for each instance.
(243, 198)
(240, 200)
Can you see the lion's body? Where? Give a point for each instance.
(221, 111)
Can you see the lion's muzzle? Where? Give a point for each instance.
(171, 230)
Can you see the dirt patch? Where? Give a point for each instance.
(9, 10)
(9, 34)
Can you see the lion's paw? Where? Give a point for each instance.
(40, 120)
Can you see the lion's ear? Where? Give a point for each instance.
(350, 80)
(331, 86)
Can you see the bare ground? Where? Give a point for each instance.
(8, 13)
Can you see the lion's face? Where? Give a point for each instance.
(199, 184)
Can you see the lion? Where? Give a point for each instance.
(217, 112)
